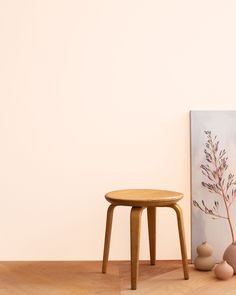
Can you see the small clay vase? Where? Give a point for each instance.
(230, 255)
(223, 271)
(204, 261)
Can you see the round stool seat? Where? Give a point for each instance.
(143, 197)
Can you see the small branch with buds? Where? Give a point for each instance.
(218, 183)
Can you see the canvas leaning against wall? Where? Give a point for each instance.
(213, 180)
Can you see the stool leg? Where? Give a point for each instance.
(151, 214)
(135, 228)
(107, 237)
(182, 239)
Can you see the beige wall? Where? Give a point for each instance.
(94, 97)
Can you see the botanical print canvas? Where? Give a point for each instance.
(213, 180)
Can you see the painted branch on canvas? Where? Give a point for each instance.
(217, 181)
(213, 179)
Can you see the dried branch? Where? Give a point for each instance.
(207, 210)
(218, 183)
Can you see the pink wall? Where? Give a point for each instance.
(95, 96)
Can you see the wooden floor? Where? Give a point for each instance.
(85, 278)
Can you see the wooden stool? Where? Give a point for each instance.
(140, 199)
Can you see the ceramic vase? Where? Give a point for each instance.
(224, 271)
(204, 260)
(230, 255)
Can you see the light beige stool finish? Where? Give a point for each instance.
(140, 199)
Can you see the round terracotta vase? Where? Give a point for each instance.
(223, 271)
(230, 256)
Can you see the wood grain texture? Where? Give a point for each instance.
(143, 197)
(151, 214)
(110, 211)
(57, 278)
(140, 199)
(85, 278)
(170, 283)
(179, 214)
(135, 228)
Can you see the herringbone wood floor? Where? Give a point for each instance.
(85, 278)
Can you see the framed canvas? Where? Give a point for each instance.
(213, 179)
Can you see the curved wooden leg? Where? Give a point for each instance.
(151, 214)
(135, 228)
(179, 214)
(107, 237)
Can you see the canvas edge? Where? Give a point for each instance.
(191, 192)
